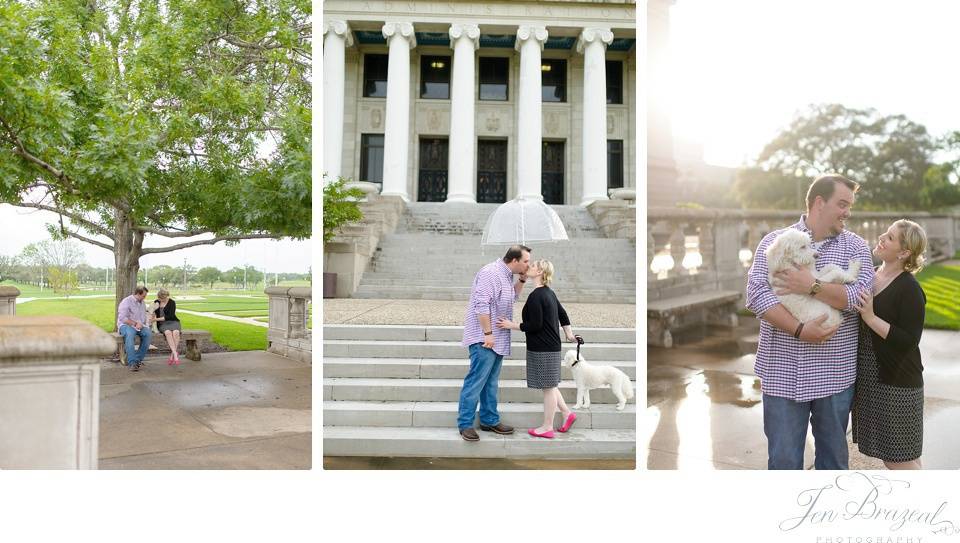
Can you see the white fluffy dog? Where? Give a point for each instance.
(588, 376)
(793, 248)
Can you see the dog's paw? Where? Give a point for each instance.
(578, 406)
(620, 406)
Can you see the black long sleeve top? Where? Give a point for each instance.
(542, 318)
(168, 312)
(902, 305)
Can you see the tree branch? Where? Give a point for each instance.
(72, 216)
(171, 248)
(169, 233)
(90, 241)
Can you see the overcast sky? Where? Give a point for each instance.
(20, 227)
(741, 68)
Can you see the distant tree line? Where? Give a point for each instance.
(58, 264)
(898, 163)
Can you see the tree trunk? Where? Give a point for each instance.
(127, 251)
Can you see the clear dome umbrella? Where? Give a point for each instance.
(523, 221)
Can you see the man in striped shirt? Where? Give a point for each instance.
(807, 370)
(491, 297)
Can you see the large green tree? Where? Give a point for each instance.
(149, 119)
(889, 155)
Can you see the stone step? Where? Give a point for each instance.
(463, 294)
(446, 390)
(446, 442)
(560, 287)
(406, 332)
(344, 348)
(444, 414)
(439, 368)
(598, 277)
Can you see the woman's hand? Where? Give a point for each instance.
(571, 338)
(865, 304)
(504, 323)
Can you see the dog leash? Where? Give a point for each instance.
(579, 343)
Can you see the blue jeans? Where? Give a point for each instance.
(135, 356)
(481, 384)
(785, 425)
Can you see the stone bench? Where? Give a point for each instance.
(666, 317)
(191, 337)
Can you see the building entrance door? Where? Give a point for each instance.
(551, 186)
(491, 171)
(432, 185)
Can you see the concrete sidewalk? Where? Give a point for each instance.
(451, 313)
(704, 407)
(232, 410)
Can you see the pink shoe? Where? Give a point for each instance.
(548, 434)
(176, 360)
(568, 423)
(170, 361)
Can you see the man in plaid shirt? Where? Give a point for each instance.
(807, 370)
(491, 299)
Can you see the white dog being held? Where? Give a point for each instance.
(793, 248)
(587, 376)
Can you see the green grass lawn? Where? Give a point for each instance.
(942, 287)
(235, 336)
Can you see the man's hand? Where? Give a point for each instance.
(137, 326)
(794, 280)
(488, 341)
(815, 332)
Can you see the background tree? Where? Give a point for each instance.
(163, 275)
(208, 275)
(63, 281)
(137, 118)
(8, 264)
(888, 155)
(63, 255)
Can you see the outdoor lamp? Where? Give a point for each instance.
(662, 263)
(745, 256)
(692, 261)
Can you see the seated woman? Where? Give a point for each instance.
(168, 324)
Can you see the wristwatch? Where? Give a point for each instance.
(816, 287)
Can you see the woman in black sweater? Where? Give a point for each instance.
(888, 405)
(542, 318)
(168, 324)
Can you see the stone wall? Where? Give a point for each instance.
(50, 392)
(288, 334)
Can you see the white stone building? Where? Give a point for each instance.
(481, 101)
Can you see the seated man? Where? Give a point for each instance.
(132, 321)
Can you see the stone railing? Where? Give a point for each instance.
(50, 392)
(287, 334)
(350, 251)
(617, 217)
(8, 300)
(700, 250)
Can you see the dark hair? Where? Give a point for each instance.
(141, 290)
(515, 252)
(824, 185)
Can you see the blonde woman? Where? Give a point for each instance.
(888, 405)
(542, 318)
(168, 324)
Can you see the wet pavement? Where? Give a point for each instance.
(704, 409)
(234, 410)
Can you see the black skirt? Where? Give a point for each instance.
(543, 369)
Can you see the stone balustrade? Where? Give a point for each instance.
(50, 392)
(349, 252)
(699, 250)
(8, 300)
(288, 334)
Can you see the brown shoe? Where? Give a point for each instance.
(469, 434)
(500, 428)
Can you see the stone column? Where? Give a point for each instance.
(8, 300)
(593, 45)
(529, 42)
(50, 392)
(463, 41)
(396, 139)
(336, 38)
